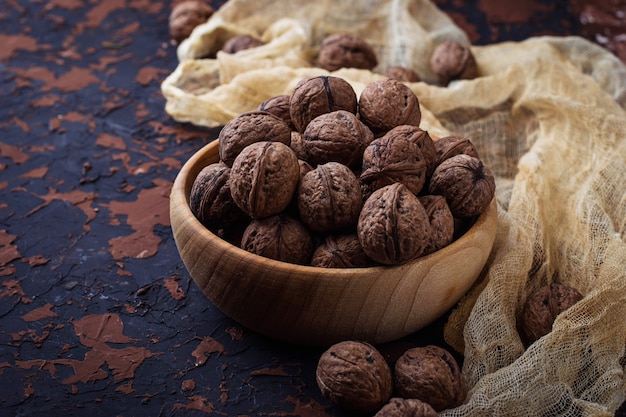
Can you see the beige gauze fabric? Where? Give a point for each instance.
(546, 115)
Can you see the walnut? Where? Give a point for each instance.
(305, 167)
(394, 158)
(430, 374)
(424, 143)
(185, 16)
(542, 307)
(341, 251)
(452, 60)
(279, 107)
(329, 198)
(247, 128)
(402, 74)
(241, 43)
(210, 199)
(387, 103)
(441, 221)
(343, 50)
(314, 96)
(264, 178)
(411, 407)
(296, 144)
(466, 183)
(449, 146)
(338, 136)
(355, 376)
(279, 237)
(393, 226)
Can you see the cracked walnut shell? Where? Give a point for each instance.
(279, 237)
(355, 376)
(264, 178)
(329, 198)
(430, 374)
(210, 199)
(542, 307)
(315, 96)
(410, 407)
(248, 128)
(394, 158)
(393, 226)
(467, 184)
(344, 50)
(338, 136)
(387, 103)
(452, 60)
(185, 16)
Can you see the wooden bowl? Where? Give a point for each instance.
(320, 306)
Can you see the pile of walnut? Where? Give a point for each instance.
(424, 381)
(321, 178)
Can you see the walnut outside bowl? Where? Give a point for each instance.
(320, 306)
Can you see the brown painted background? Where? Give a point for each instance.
(98, 316)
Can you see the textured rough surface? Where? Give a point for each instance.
(430, 374)
(341, 251)
(264, 178)
(279, 237)
(344, 50)
(467, 184)
(338, 136)
(402, 74)
(210, 199)
(186, 16)
(393, 226)
(248, 128)
(279, 107)
(441, 221)
(449, 146)
(241, 43)
(394, 158)
(388, 103)
(542, 307)
(329, 198)
(400, 407)
(355, 376)
(315, 96)
(452, 60)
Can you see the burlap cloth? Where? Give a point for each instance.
(547, 116)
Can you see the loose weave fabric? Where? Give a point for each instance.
(546, 115)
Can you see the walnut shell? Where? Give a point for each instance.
(185, 16)
(296, 144)
(338, 136)
(411, 407)
(355, 376)
(393, 226)
(264, 178)
(343, 50)
(279, 237)
(241, 43)
(430, 374)
(318, 95)
(441, 221)
(452, 60)
(329, 198)
(466, 183)
(279, 107)
(424, 142)
(394, 158)
(341, 251)
(402, 74)
(247, 128)
(210, 199)
(542, 307)
(449, 146)
(387, 103)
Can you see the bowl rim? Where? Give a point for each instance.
(179, 199)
